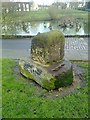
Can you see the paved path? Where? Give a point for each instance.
(75, 48)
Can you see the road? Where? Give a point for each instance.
(16, 48)
(75, 48)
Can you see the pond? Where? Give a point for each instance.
(78, 27)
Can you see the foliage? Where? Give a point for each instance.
(8, 5)
(87, 6)
(53, 12)
(22, 99)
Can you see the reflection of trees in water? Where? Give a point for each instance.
(34, 24)
(64, 29)
(25, 27)
(18, 27)
(78, 26)
(9, 29)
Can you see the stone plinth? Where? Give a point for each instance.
(47, 66)
(48, 48)
(50, 78)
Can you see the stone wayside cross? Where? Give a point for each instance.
(47, 66)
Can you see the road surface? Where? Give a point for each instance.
(75, 48)
(16, 48)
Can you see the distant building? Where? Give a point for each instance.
(60, 5)
(34, 7)
(43, 6)
(19, 6)
(68, 6)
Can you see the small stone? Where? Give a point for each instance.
(51, 90)
(74, 80)
(56, 95)
(60, 89)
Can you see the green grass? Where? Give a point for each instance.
(86, 66)
(81, 64)
(21, 99)
(27, 16)
(0, 88)
(42, 15)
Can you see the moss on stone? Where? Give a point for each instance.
(46, 79)
(49, 84)
(65, 79)
(48, 48)
(26, 73)
(49, 80)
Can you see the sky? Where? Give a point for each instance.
(41, 1)
(48, 2)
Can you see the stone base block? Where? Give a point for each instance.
(52, 77)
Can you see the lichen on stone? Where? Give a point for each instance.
(48, 48)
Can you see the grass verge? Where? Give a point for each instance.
(0, 88)
(21, 98)
(43, 15)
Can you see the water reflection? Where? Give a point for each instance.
(33, 28)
